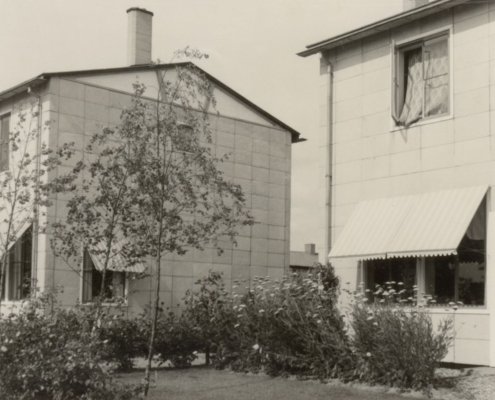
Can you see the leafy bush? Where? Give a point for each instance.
(397, 345)
(51, 356)
(286, 326)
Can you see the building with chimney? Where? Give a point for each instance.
(71, 106)
(408, 143)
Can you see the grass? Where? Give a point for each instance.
(201, 383)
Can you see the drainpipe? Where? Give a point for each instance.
(35, 235)
(326, 72)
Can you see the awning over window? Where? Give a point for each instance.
(118, 261)
(429, 224)
(16, 231)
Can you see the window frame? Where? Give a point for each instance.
(398, 47)
(107, 301)
(7, 280)
(3, 116)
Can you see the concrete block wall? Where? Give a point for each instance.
(258, 159)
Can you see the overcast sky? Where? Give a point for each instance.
(252, 46)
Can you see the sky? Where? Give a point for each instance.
(252, 47)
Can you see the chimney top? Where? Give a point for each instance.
(309, 248)
(410, 4)
(139, 9)
(139, 31)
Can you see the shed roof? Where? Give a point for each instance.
(421, 225)
(382, 25)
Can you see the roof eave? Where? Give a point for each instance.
(380, 26)
(23, 87)
(43, 78)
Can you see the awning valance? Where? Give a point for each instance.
(118, 260)
(429, 224)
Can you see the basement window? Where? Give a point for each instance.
(421, 81)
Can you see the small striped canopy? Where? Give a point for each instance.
(429, 224)
(118, 261)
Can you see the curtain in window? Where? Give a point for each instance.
(436, 65)
(413, 102)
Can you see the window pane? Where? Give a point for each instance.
(414, 88)
(19, 267)
(472, 283)
(436, 75)
(114, 285)
(397, 273)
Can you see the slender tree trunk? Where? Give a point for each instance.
(154, 320)
(3, 270)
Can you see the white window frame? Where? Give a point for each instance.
(396, 46)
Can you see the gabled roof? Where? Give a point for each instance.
(383, 25)
(44, 77)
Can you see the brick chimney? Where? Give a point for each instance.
(139, 36)
(410, 4)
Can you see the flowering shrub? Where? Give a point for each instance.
(49, 356)
(282, 326)
(397, 345)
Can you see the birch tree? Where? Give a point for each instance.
(185, 201)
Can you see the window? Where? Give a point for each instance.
(459, 278)
(17, 282)
(422, 83)
(114, 286)
(4, 141)
(394, 272)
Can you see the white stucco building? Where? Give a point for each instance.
(408, 150)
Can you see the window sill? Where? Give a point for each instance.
(480, 310)
(422, 122)
(110, 305)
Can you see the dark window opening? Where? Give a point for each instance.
(18, 274)
(397, 273)
(114, 286)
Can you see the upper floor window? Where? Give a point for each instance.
(4, 141)
(422, 83)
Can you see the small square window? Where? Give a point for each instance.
(422, 82)
(114, 286)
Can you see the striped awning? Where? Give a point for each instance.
(118, 260)
(17, 230)
(429, 224)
